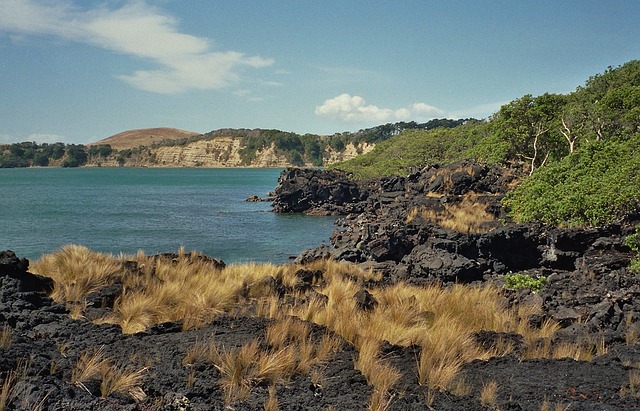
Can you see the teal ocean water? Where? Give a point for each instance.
(155, 210)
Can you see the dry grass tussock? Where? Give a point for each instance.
(489, 394)
(9, 397)
(114, 379)
(468, 215)
(77, 272)
(441, 320)
(287, 349)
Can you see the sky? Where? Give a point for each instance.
(78, 71)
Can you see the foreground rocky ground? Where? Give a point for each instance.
(393, 226)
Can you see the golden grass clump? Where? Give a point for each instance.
(289, 350)
(468, 215)
(89, 366)
(77, 272)
(123, 381)
(489, 394)
(249, 364)
(558, 406)
(272, 403)
(632, 331)
(114, 379)
(6, 389)
(633, 389)
(188, 289)
(442, 320)
(378, 373)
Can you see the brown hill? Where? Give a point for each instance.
(144, 137)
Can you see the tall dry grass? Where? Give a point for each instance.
(7, 389)
(468, 215)
(8, 392)
(113, 378)
(489, 394)
(287, 349)
(378, 373)
(441, 320)
(77, 272)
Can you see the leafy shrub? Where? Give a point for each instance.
(597, 184)
(520, 281)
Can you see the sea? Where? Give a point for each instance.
(156, 210)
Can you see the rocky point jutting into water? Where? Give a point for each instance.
(446, 224)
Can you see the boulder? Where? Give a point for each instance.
(365, 301)
(315, 191)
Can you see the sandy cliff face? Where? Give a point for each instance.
(219, 152)
(349, 152)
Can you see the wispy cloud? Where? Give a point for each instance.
(346, 107)
(184, 62)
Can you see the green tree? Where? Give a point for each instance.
(528, 127)
(101, 150)
(76, 156)
(40, 159)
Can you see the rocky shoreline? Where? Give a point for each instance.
(586, 269)
(394, 226)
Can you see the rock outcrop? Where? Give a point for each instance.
(392, 225)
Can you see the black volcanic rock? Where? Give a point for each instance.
(45, 345)
(313, 191)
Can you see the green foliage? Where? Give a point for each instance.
(597, 184)
(521, 281)
(100, 150)
(416, 149)
(11, 161)
(633, 242)
(53, 151)
(40, 160)
(76, 156)
(528, 128)
(29, 154)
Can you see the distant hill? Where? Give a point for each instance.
(144, 137)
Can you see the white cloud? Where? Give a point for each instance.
(346, 107)
(185, 62)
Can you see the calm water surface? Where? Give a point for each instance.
(155, 210)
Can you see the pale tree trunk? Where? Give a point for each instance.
(540, 130)
(566, 132)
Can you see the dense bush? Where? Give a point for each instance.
(597, 184)
(416, 149)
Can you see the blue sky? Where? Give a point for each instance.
(79, 71)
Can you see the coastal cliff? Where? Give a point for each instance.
(218, 152)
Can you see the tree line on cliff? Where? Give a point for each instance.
(297, 149)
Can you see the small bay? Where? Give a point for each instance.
(123, 210)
